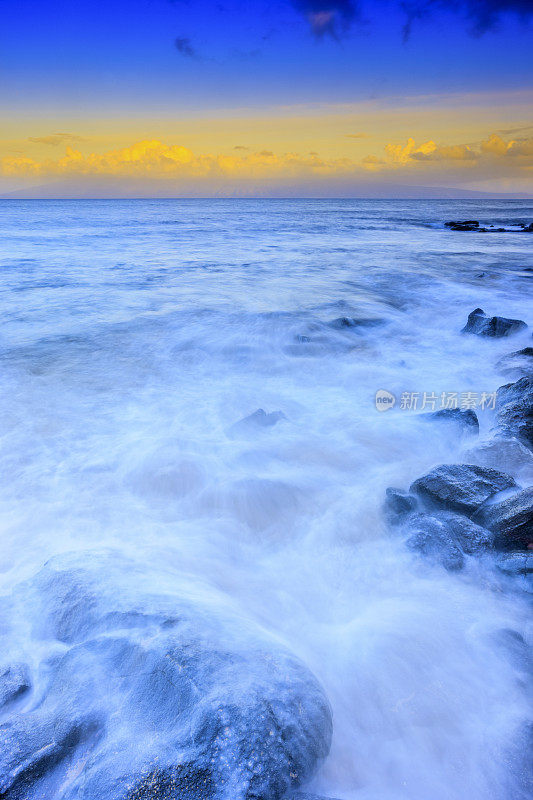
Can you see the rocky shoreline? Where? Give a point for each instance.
(216, 707)
(457, 511)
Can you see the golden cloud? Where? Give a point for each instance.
(155, 159)
(411, 154)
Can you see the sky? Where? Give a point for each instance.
(282, 98)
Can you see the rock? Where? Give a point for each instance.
(446, 537)
(467, 225)
(259, 419)
(465, 418)
(14, 683)
(460, 487)
(431, 537)
(398, 504)
(518, 566)
(496, 327)
(514, 406)
(520, 362)
(155, 695)
(511, 519)
(350, 322)
(516, 457)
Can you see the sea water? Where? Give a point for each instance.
(135, 334)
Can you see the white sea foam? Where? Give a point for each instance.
(136, 334)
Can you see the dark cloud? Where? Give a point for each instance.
(184, 46)
(481, 15)
(328, 18)
(240, 147)
(335, 17)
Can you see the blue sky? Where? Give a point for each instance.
(109, 71)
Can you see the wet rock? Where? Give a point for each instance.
(154, 694)
(482, 325)
(342, 323)
(509, 451)
(466, 419)
(519, 567)
(511, 519)
(517, 564)
(14, 683)
(519, 362)
(466, 225)
(446, 537)
(259, 419)
(460, 487)
(431, 537)
(398, 504)
(514, 406)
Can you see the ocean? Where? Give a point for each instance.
(136, 335)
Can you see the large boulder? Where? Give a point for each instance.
(446, 537)
(514, 406)
(460, 487)
(481, 324)
(511, 519)
(146, 693)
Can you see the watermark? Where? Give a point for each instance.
(435, 401)
(384, 400)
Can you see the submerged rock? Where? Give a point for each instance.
(259, 419)
(307, 796)
(482, 325)
(341, 323)
(460, 487)
(154, 695)
(511, 519)
(514, 406)
(517, 564)
(464, 418)
(398, 504)
(466, 225)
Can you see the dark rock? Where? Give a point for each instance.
(514, 405)
(482, 325)
(511, 519)
(460, 487)
(466, 225)
(350, 322)
(431, 537)
(465, 418)
(14, 683)
(259, 419)
(153, 694)
(398, 504)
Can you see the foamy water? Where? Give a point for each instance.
(135, 334)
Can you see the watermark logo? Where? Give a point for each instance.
(433, 401)
(384, 400)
